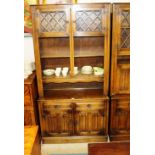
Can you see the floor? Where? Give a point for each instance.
(65, 149)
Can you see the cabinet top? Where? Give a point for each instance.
(70, 4)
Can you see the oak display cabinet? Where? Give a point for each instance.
(73, 108)
(120, 73)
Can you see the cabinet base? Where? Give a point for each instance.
(119, 137)
(74, 139)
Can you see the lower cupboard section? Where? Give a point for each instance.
(120, 118)
(78, 120)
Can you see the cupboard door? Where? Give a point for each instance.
(121, 28)
(123, 78)
(91, 118)
(89, 20)
(53, 20)
(120, 117)
(56, 119)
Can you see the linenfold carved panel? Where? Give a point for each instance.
(54, 21)
(89, 20)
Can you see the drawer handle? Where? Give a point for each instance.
(89, 105)
(56, 106)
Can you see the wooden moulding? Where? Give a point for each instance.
(74, 139)
(119, 137)
(73, 79)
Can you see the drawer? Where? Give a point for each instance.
(27, 95)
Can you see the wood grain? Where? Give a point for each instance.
(119, 148)
(31, 141)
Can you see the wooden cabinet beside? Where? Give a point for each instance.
(75, 119)
(120, 118)
(120, 73)
(30, 104)
(120, 59)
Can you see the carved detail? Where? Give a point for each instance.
(121, 112)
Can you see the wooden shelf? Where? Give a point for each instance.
(74, 79)
(77, 55)
(89, 54)
(54, 56)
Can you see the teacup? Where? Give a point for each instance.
(64, 73)
(57, 73)
(58, 69)
(65, 69)
(76, 70)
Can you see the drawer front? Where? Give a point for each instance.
(27, 95)
(56, 118)
(120, 117)
(91, 118)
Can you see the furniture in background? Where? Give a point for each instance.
(113, 148)
(120, 73)
(32, 141)
(73, 108)
(30, 104)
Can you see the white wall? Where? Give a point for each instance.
(28, 42)
(28, 48)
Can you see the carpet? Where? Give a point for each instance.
(65, 149)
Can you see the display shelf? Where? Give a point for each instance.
(72, 79)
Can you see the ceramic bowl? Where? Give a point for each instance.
(48, 72)
(98, 71)
(87, 70)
